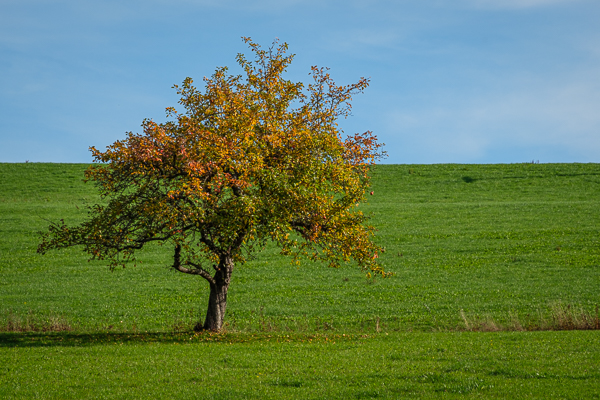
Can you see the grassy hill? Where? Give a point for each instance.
(474, 247)
(499, 242)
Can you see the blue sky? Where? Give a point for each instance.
(452, 81)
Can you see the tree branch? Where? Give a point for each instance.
(197, 270)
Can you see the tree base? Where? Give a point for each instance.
(200, 328)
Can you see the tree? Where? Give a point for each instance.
(252, 160)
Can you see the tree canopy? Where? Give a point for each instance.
(252, 159)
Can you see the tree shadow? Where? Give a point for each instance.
(69, 339)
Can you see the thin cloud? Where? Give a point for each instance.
(560, 118)
(518, 4)
(360, 38)
(269, 6)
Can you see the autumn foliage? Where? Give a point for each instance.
(252, 159)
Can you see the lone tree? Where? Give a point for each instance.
(253, 159)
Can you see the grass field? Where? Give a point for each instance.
(522, 365)
(474, 247)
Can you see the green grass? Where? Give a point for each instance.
(509, 241)
(495, 245)
(524, 365)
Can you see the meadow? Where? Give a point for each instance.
(495, 266)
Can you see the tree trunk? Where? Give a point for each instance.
(217, 301)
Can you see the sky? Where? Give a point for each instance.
(451, 81)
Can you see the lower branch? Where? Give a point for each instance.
(197, 270)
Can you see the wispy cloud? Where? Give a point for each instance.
(250, 5)
(517, 4)
(358, 39)
(554, 116)
(452, 81)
